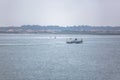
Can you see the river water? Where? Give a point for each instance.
(42, 57)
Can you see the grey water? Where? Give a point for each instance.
(42, 57)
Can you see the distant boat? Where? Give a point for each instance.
(55, 37)
(76, 41)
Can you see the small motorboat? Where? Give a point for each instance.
(76, 41)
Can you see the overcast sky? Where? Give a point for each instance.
(60, 12)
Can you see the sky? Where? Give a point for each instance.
(60, 12)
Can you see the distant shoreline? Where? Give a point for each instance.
(83, 29)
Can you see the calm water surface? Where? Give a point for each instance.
(41, 57)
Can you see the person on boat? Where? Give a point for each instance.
(81, 40)
(75, 39)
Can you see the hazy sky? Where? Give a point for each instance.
(59, 12)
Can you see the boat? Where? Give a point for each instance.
(76, 41)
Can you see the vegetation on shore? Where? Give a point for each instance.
(83, 29)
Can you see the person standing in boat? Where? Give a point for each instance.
(75, 39)
(82, 40)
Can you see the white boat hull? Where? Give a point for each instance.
(74, 41)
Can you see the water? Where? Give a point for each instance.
(41, 57)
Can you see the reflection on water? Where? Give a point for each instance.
(41, 57)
